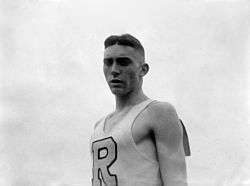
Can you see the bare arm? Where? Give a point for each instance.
(169, 145)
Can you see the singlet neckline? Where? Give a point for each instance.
(109, 115)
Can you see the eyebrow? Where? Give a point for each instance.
(125, 57)
(107, 59)
(121, 57)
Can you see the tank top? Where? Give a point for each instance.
(115, 157)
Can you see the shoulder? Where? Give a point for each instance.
(158, 107)
(162, 110)
(163, 115)
(98, 122)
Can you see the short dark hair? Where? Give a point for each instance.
(125, 40)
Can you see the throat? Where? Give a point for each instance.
(134, 98)
(114, 119)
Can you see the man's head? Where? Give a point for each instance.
(125, 40)
(124, 64)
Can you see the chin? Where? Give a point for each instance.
(118, 92)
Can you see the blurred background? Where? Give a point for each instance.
(52, 88)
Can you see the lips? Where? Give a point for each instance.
(115, 81)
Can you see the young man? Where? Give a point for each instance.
(141, 142)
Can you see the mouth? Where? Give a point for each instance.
(115, 81)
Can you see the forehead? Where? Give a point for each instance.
(121, 51)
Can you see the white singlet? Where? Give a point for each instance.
(116, 158)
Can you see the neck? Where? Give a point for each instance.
(131, 99)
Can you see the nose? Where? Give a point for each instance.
(115, 69)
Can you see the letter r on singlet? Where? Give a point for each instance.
(104, 155)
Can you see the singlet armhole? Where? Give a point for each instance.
(99, 122)
(141, 153)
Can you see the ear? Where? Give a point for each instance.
(144, 69)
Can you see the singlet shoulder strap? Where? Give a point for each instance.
(137, 109)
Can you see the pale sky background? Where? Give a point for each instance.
(53, 89)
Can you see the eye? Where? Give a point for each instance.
(123, 61)
(108, 61)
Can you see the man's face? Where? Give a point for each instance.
(122, 69)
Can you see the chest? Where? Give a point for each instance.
(114, 120)
(131, 132)
(138, 126)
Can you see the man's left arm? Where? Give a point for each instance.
(169, 145)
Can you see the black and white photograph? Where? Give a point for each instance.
(124, 93)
